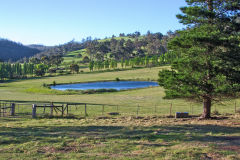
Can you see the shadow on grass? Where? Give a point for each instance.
(179, 133)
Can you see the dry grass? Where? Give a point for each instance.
(123, 137)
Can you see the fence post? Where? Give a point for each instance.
(0, 109)
(190, 108)
(62, 110)
(12, 109)
(51, 109)
(44, 109)
(85, 110)
(34, 110)
(4, 105)
(235, 107)
(171, 109)
(102, 109)
(67, 108)
(137, 109)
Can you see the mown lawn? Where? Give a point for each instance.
(123, 137)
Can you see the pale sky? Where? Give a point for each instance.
(53, 22)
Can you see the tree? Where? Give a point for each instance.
(208, 51)
(40, 70)
(122, 62)
(74, 68)
(106, 64)
(34, 60)
(129, 47)
(91, 65)
(56, 59)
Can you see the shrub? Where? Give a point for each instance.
(45, 85)
(92, 91)
(54, 83)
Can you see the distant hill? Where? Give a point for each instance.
(39, 47)
(14, 51)
(61, 49)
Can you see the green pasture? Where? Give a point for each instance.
(72, 56)
(141, 131)
(138, 101)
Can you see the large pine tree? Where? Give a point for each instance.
(209, 48)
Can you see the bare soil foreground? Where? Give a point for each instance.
(121, 137)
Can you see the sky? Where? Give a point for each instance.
(54, 22)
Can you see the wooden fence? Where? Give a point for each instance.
(35, 109)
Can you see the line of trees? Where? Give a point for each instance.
(146, 61)
(12, 71)
(19, 71)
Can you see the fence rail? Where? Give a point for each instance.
(41, 108)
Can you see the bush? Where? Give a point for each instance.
(92, 91)
(54, 83)
(44, 85)
(117, 79)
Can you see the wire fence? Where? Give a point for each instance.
(25, 109)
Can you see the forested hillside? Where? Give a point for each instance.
(117, 48)
(61, 49)
(13, 51)
(129, 46)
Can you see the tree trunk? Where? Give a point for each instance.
(210, 5)
(207, 101)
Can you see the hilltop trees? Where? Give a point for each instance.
(209, 53)
(130, 46)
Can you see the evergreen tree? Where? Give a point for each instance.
(209, 53)
(146, 61)
(126, 63)
(91, 65)
(122, 62)
(106, 64)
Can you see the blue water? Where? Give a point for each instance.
(118, 85)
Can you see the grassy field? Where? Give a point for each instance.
(72, 56)
(123, 137)
(148, 98)
(137, 133)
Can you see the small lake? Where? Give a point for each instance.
(118, 85)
